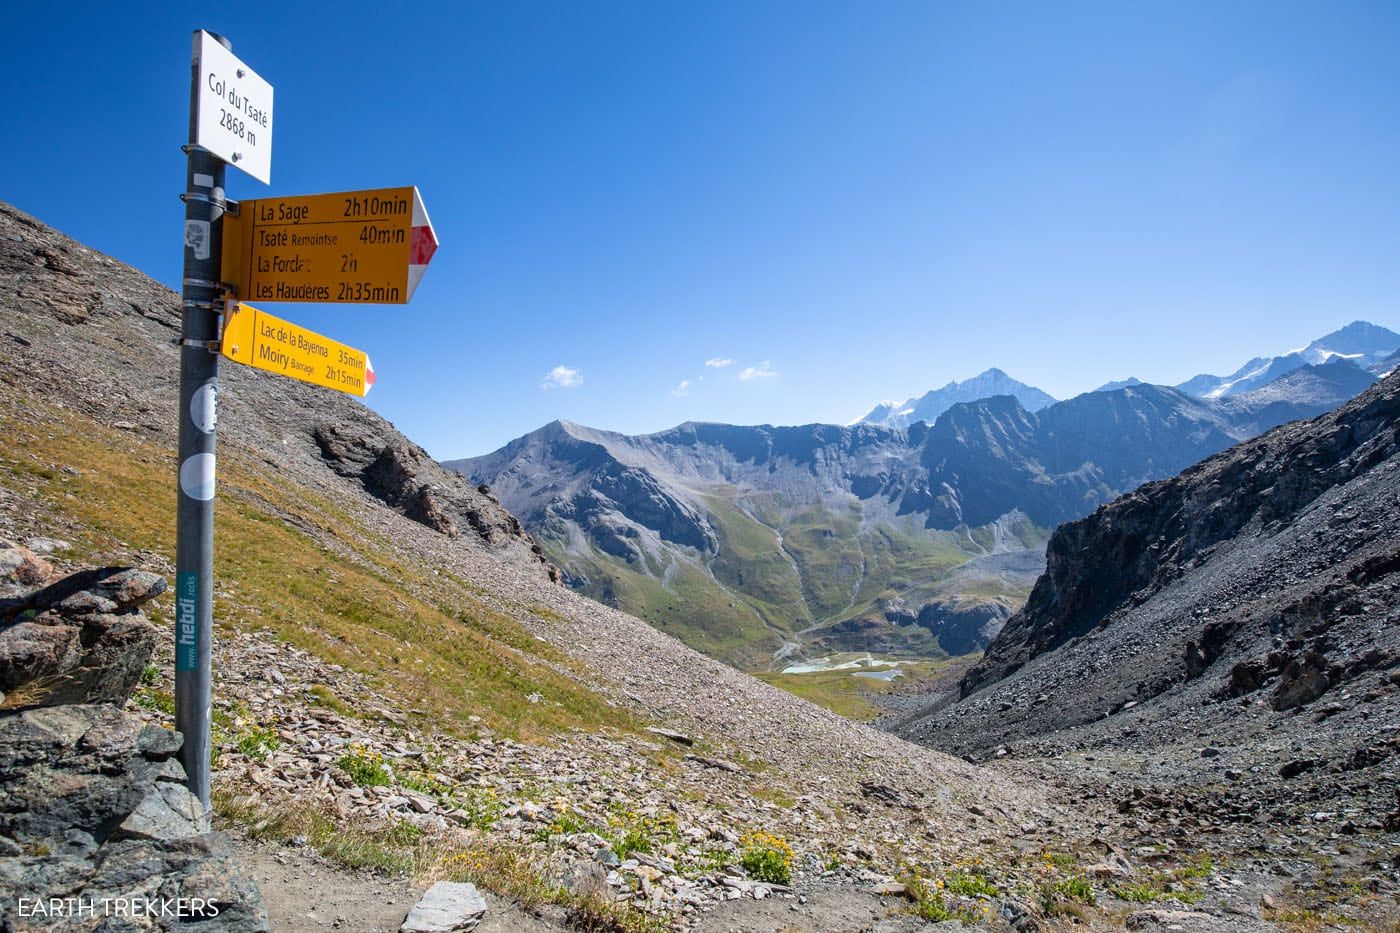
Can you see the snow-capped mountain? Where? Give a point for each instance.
(1386, 366)
(932, 404)
(1360, 342)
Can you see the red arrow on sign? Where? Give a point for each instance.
(422, 243)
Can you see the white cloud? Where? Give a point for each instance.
(682, 388)
(761, 371)
(719, 362)
(562, 377)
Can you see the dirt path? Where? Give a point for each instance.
(830, 909)
(304, 892)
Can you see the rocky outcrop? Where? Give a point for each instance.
(964, 624)
(1155, 536)
(94, 812)
(97, 828)
(403, 476)
(77, 640)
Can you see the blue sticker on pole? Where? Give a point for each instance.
(187, 622)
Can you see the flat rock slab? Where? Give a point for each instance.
(1192, 921)
(447, 907)
(678, 737)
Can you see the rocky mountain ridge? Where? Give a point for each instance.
(1165, 530)
(760, 542)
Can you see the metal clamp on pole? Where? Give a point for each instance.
(196, 196)
(211, 345)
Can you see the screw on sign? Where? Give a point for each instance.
(282, 249)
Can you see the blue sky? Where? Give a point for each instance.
(850, 201)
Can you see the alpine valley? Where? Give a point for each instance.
(762, 545)
(1189, 725)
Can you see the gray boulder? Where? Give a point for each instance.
(92, 803)
(87, 810)
(79, 640)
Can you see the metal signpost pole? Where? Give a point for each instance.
(199, 378)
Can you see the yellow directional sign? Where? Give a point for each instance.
(362, 247)
(255, 338)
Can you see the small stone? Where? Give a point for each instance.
(677, 737)
(420, 802)
(889, 889)
(158, 743)
(1296, 767)
(33, 571)
(1113, 867)
(169, 811)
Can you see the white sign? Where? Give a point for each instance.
(234, 119)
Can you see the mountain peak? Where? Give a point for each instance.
(1360, 342)
(930, 405)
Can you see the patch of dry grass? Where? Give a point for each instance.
(290, 560)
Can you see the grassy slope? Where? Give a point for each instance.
(753, 565)
(760, 592)
(290, 560)
(692, 606)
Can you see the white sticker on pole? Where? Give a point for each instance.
(204, 408)
(197, 477)
(235, 109)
